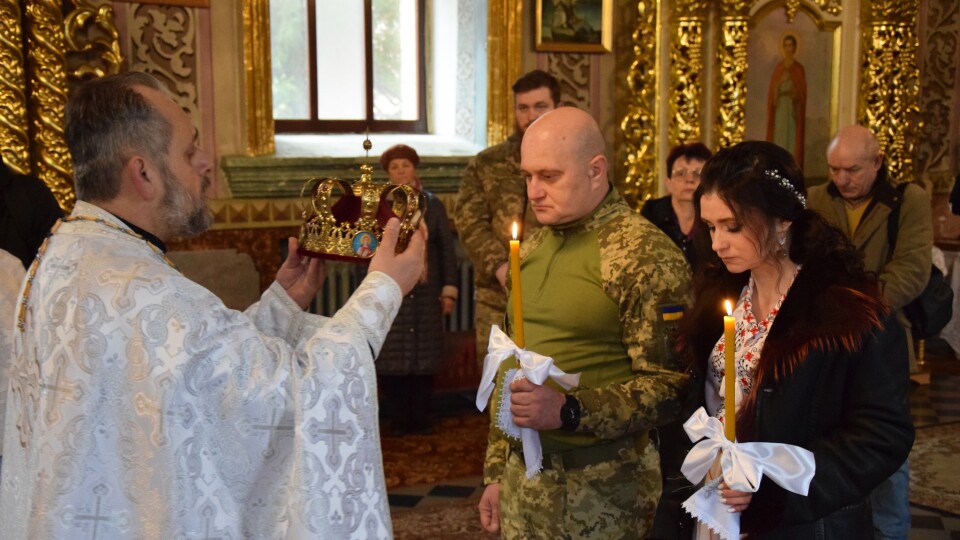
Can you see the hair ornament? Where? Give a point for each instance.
(785, 184)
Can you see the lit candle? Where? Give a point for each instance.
(729, 375)
(517, 322)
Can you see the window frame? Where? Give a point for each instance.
(316, 125)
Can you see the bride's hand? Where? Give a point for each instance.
(737, 500)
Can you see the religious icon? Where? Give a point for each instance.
(364, 244)
(787, 100)
(574, 25)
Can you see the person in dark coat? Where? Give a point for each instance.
(819, 357)
(673, 213)
(27, 211)
(413, 351)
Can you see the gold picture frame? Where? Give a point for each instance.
(582, 26)
(184, 3)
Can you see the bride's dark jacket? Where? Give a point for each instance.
(833, 379)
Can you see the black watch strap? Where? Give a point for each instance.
(570, 414)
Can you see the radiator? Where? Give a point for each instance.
(343, 278)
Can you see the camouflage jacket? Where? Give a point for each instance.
(600, 297)
(493, 194)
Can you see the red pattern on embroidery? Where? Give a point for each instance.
(749, 338)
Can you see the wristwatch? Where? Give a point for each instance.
(570, 414)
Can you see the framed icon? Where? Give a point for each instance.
(574, 25)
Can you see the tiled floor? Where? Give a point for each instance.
(935, 402)
(429, 495)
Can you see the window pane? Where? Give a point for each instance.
(288, 50)
(341, 93)
(395, 74)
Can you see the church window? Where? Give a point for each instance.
(348, 66)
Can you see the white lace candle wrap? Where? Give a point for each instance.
(743, 465)
(534, 367)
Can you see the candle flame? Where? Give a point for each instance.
(729, 307)
(514, 230)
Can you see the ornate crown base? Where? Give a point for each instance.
(351, 228)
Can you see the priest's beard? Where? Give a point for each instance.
(184, 214)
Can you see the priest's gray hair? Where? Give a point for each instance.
(107, 123)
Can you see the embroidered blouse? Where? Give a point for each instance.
(749, 336)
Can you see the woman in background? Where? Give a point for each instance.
(820, 362)
(413, 350)
(674, 213)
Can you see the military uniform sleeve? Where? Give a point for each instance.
(644, 286)
(474, 223)
(907, 273)
(495, 460)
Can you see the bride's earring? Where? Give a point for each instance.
(781, 249)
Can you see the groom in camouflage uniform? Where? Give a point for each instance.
(493, 196)
(602, 292)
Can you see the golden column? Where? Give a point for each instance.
(732, 60)
(504, 39)
(47, 80)
(686, 69)
(258, 77)
(14, 141)
(890, 87)
(639, 124)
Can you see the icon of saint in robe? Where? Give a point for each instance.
(787, 101)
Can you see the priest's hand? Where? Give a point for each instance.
(301, 276)
(738, 501)
(404, 268)
(490, 508)
(535, 406)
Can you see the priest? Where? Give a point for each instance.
(139, 405)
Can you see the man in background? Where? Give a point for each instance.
(859, 199)
(493, 197)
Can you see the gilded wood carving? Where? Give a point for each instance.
(14, 139)
(504, 42)
(47, 80)
(639, 124)
(890, 86)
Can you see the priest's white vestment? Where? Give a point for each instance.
(141, 407)
(11, 276)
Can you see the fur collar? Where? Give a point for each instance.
(822, 312)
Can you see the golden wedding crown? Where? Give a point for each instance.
(345, 221)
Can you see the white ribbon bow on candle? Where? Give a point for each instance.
(743, 465)
(534, 367)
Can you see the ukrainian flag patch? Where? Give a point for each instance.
(672, 312)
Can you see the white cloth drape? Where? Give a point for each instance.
(743, 465)
(534, 367)
(11, 277)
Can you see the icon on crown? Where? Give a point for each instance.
(345, 221)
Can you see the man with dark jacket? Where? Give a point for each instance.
(859, 199)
